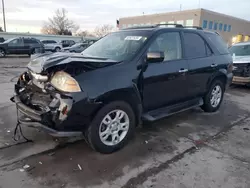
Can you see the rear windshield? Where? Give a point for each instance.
(218, 42)
(240, 50)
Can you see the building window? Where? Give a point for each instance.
(225, 27)
(162, 22)
(229, 28)
(189, 22)
(204, 25)
(129, 25)
(210, 25)
(220, 26)
(215, 25)
(123, 26)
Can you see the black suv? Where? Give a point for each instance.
(21, 45)
(129, 76)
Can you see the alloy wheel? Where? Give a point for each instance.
(114, 127)
(216, 96)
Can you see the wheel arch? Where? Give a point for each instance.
(128, 95)
(221, 75)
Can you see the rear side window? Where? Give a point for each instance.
(51, 42)
(218, 42)
(194, 46)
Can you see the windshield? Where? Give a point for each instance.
(118, 46)
(241, 50)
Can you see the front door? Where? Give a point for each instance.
(165, 83)
(16, 46)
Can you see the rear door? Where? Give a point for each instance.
(27, 46)
(201, 63)
(165, 83)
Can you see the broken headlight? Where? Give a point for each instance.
(64, 82)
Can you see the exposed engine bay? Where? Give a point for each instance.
(241, 69)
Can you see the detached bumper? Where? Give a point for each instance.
(43, 120)
(241, 80)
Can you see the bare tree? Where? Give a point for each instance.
(101, 31)
(59, 24)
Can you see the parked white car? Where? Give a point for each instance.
(241, 63)
(52, 45)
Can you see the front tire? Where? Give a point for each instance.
(57, 49)
(2, 53)
(112, 127)
(214, 97)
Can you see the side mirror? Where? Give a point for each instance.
(155, 57)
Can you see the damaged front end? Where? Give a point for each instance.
(47, 96)
(241, 72)
(40, 105)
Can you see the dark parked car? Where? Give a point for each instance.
(76, 48)
(129, 76)
(67, 43)
(21, 46)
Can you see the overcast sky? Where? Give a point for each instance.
(29, 15)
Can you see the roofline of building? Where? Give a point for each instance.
(221, 14)
(175, 12)
(186, 11)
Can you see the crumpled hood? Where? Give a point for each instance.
(241, 59)
(41, 62)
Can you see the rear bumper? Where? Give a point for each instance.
(241, 80)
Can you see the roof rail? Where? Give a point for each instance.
(194, 27)
(140, 27)
(168, 24)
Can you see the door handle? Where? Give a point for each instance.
(183, 70)
(214, 65)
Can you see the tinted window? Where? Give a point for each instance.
(194, 45)
(34, 41)
(209, 52)
(229, 28)
(218, 42)
(30, 41)
(169, 43)
(51, 42)
(15, 42)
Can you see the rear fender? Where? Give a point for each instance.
(221, 74)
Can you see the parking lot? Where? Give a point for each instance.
(190, 149)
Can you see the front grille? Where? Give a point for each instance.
(241, 69)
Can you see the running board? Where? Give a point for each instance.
(170, 110)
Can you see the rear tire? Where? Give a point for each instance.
(107, 134)
(214, 97)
